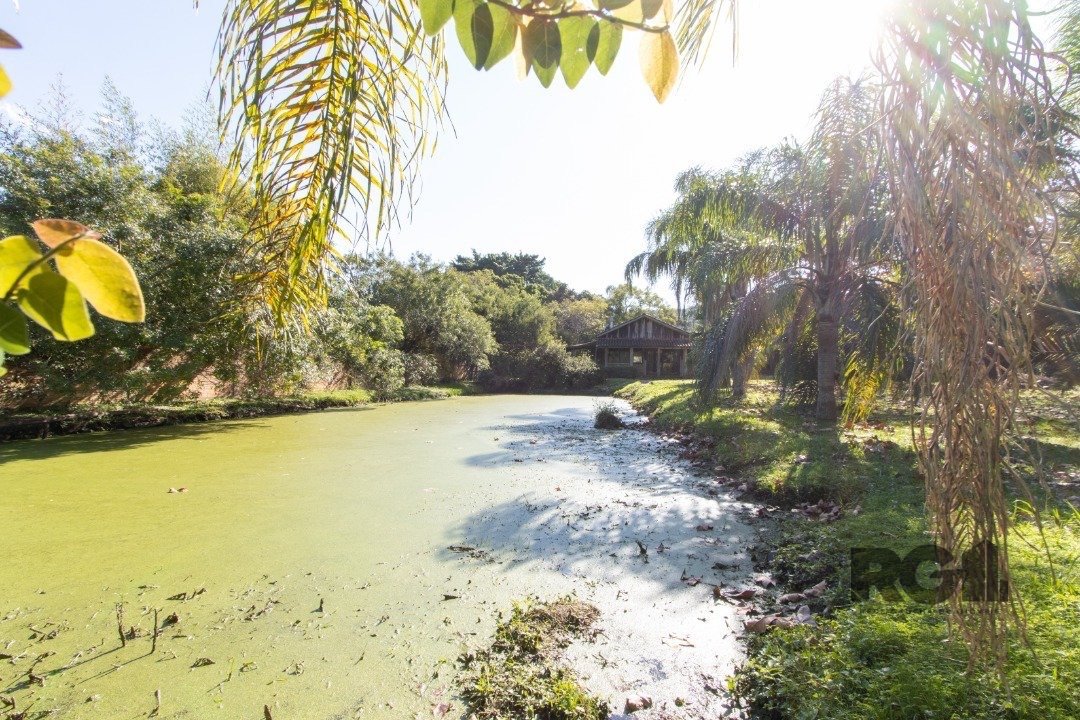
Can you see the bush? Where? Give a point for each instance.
(607, 417)
(548, 367)
(384, 372)
(420, 369)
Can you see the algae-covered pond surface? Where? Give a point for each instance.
(335, 564)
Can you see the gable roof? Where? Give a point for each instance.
(644, 316)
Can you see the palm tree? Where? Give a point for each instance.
(790, 236)
(713, 265)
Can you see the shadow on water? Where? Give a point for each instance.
(596, 498)
(110, 440)
(125, 438)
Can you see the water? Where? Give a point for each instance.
(350, 510)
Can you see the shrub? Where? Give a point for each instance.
(420, 368)
(384, 372)
(548, 367)
(607, 417)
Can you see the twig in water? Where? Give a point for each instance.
(120, 624)
(157, 631)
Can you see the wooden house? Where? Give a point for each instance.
(643, 347)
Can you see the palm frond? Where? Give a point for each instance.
(871, 333)
(755, 317)
(696, 22)
(328, 104)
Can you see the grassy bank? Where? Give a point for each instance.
(878, 659)
(93, 418)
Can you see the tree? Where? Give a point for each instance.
(625, 302)
(824, 206)
(581, 320)
(436, 311)
(529, 269)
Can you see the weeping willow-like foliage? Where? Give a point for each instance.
(328, 106)
(967, 114)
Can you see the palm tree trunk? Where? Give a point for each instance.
(828, 341)
(740, 374)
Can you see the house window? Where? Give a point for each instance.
(618, 356)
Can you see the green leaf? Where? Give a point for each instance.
(659, 63)
(13, 336)
(57, 305)
(104, 278)
(435, 13)
(649, 8)
(607, 45)
(3, 370)
(16, 252)
(574, 34)
(472, 22)
(503, 34)
(543, 44)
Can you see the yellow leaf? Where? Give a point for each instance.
(54, 232)
(659, 63)
(5, 82)
(104, 278)
(522, 59)
(16, 253)
(56, 305)
(633, 11)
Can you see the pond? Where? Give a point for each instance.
(335, 564)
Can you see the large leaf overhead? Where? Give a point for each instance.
(53, 302)
(659, 63)
(327, 103)
(14, 338)
(574, 33)
(17, 254)
(544, 45)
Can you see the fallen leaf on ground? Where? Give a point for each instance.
(744, 594)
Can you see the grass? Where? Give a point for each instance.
(518, 677)
(875, 659)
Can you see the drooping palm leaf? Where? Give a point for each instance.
(755, 318)
(328, 105)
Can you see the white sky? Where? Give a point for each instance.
(572, 176)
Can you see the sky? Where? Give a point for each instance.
(573, 176)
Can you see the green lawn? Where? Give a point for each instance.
(876, 659)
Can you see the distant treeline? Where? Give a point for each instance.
(155, 195)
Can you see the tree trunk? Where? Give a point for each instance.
(828, 341)
(740, 374)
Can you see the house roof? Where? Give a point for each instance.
(643, 316)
